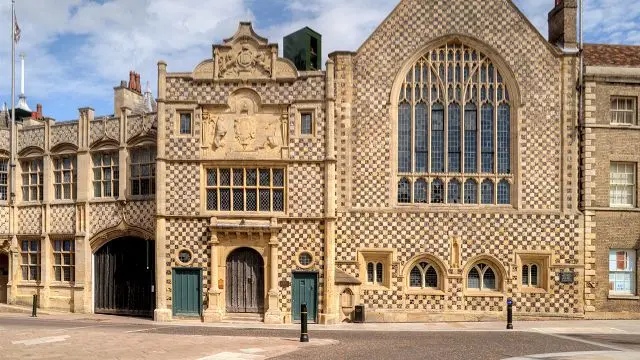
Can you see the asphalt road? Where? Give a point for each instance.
(155, 341)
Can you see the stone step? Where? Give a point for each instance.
(243, 318)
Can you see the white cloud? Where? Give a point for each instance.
(111, 37)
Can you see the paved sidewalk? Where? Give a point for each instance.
(544, 326)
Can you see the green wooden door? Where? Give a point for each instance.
(187, 297)
(305, 291)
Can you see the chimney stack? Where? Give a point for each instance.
(138, 85)
(38, 113)
(563, 24)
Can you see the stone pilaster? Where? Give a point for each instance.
(273, 314)
(161, 313)
(214, 312)
(330, 313)
(83, 273)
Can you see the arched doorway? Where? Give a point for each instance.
(4, 277)
(245, 281)
(125, 277)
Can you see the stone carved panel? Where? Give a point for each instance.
(141, 125)
(4, 220)
(4, 140)
(105, 129)
(64, 133)
(246, 129)
(33, 137)
(245, 56)
(30, 220)
(63, 219)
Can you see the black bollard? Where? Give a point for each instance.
(304, 335)
(35, 306)
(509, 314)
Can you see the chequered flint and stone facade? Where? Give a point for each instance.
(306, 172)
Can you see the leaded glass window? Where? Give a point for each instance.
(437, 192)
(487, 192)
(482, 277)
(470, 192)
(454, 118)
(245, 190)
(504, 193)
(420, 192)
(454, 192)
(423, 275)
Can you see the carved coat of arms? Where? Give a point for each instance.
(245, 130)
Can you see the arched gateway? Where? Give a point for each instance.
(245, 279)
(125, 277)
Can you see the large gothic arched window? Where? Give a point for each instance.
(454, 130)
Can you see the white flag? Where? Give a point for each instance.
(16, 31)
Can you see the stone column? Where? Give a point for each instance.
(330, 313)
(273, 314)
(214, 312)
(83, 272)
(161, 313)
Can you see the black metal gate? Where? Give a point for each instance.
(245, 282)
(125, 277)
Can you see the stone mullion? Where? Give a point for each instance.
(494, 99)
(413, 131)
(429, 126)
(445, 179)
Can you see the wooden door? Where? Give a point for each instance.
(4, 277)
(187, 296)
(305, 291)
(245, 282)
(125, 277)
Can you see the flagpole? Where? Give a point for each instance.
(13, 103)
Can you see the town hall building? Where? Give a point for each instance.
(456, 159)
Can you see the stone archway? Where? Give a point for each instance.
(245, 281)
(124, 277)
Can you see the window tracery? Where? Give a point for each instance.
(454, 130)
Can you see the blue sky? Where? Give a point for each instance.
(78, 50)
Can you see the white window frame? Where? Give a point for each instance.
(376, 276)
(99, 171)
(60, 182)
(623, 107)
(626, 180)
(630, 269)
(32, 167)
(529, 283)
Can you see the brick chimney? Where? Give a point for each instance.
(128, 94)
(138, 85)
(38, 113)
(563, 24)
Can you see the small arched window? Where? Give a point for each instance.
(420, 192)
(455, 117)
(504, 192)
(482, 277)
(423, 275)
(437, 192)
(404, 191)
(470, 192)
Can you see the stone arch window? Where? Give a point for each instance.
(455, 121)
(375, 273)
(483, 277)
(423, 275)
